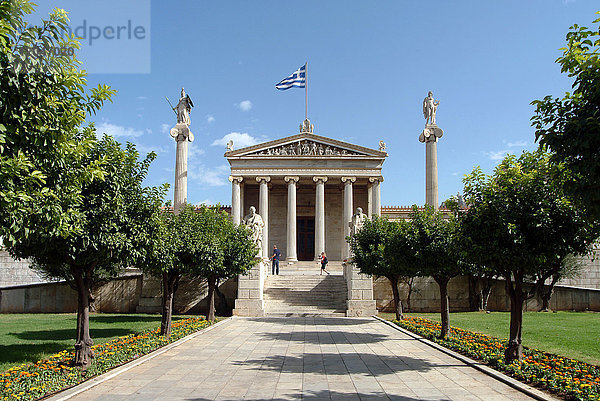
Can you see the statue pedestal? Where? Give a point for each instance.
(249, 301)
(360, 293)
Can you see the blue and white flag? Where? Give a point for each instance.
(297, 79)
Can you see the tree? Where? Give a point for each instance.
(570, 267)
(42, 109)
(220, 250)
(570, 127)
(436, 254)
(383, 248)
(520, 224)
(118, 217)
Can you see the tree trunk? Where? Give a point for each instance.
(410, 282)
(485, 295)
(397, 302)
(83, 344)
(444, 305)
(212, 284)
(546, 294)
(514, 350)
(169, 285)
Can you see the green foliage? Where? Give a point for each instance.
(520, 221)
(42, 108)
(116, 219)
(570, 127)
(217, 247)
(435, 244)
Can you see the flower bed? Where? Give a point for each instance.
(31, 381)
(568, 377)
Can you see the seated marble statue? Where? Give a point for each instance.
(255, 223)
(358, 220)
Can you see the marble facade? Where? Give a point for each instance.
(306, 187)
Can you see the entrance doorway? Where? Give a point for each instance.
(306, 238)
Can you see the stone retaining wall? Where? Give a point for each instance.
(426, 297)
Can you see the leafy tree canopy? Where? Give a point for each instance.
(570, 127)
(43, 105)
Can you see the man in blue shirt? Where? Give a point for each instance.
(275, 258)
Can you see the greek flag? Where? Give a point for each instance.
(297, 79)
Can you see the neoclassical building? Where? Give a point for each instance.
(306, 187)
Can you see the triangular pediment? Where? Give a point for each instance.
(306, 145)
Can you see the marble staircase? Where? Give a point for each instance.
(300, 290)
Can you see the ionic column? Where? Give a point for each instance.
(235, 199)
(348, 201)
(242, 202)
(376, 195)
(263, 210)
(319, 216)
(369, 199)
(291, 219)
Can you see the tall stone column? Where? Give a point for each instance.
(235, 199)
(319, 216)
(242, 189)
(182, 135)
(376, 183)
(347, 213)
(263, 210)
(369, 199)
(430, 136)
(292, 255)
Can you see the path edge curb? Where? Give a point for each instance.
(517, 385)
(88, 384)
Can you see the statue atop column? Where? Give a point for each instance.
(255, 223)
(430, 106)
(358, 221)
(181, 131)
(183, 108)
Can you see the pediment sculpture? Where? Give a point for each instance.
(305, 148)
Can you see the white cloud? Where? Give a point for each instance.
(141, 98)
(194, 151)
(117, 131)
(210, 118)
(165, 128)
(145, 149)
(519, 144)
(496, 156)
(214, 177)
(240, 140)
(245, 105)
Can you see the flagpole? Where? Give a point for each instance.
(306, 93)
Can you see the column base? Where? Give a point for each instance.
(291, 259)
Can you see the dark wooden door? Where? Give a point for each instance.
(306, 238)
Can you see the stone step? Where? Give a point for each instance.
(332, 313)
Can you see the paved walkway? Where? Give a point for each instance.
(302, 358)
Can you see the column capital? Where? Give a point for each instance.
(373, 179)
(236, 178)
(348, 180)
(261, 179)
(320, 178)
(291, 178)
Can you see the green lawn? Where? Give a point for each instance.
(572, 334)
(31, 337)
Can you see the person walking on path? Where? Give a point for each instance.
(275, 258)
(324, 262)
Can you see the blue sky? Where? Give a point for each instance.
(370, 66)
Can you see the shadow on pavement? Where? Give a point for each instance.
(326, 337)
(341, 364)
(324, 395)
